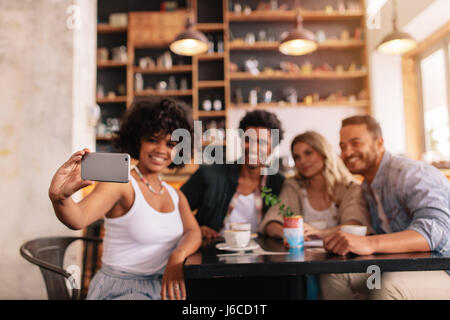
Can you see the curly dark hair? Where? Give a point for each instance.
(149, 119)
(261, 118)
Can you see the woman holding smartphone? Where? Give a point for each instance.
(149, 227)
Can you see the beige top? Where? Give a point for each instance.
(328, 215)
(348, 198)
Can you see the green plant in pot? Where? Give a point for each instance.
(291, 220)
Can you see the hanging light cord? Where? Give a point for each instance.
(394, 16)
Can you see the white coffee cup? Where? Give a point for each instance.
(240, 226)
(237, 238)
(356, 230)
(318, 224)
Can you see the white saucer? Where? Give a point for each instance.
(251, 246)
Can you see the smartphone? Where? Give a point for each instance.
(106, 167)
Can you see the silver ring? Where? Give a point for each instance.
(176, 287)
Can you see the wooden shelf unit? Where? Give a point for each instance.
(327, 45)
(162, 93)
(352, 49)
(291, 15)
(117, 99)
(140, 34)
(209, 26)
(111, 64)
(211, 84)
(337, 103)
(210, 56)
(316, 75)
(174, 69)
(103, 28)
(104, 137)
(205, 114)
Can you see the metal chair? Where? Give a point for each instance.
(48, 255)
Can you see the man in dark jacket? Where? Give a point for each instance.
(230, 193)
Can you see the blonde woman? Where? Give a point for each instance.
(323, 191)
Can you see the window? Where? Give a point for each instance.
(435, 92)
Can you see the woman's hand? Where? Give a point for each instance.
(209, 233)
(310, 232)
(173, 286)
(67, 179)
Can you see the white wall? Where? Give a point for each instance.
(387, 100)
(84, 75)
(38, 83)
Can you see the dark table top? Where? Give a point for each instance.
(206, 264)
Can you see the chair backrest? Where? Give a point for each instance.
(48, 255)
(91, 255)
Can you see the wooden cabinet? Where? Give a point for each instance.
(336, 75)
(155, 28)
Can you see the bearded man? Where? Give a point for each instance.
(409, 205)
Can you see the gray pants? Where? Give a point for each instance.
(111, 284)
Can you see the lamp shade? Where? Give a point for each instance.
(189, 43)
(298, 42)
(397, 43)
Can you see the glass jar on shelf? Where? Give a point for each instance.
(217, 104)
(207, 105)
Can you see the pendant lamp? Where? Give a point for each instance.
(189, 42)
(299, 41)
(397, 42)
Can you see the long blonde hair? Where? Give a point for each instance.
(334, 170)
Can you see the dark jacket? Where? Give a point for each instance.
(211, 188)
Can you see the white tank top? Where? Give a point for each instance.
(310, 214)
(244, 211)
(142, 240)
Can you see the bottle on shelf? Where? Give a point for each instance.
(220, 47)
(274, 4)
(121, 88)
(138, 82)
(100, 92)
(267, 96)
(238, 96)
(172, 83)
(253, 97)
(210, 44)
(183, 84)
